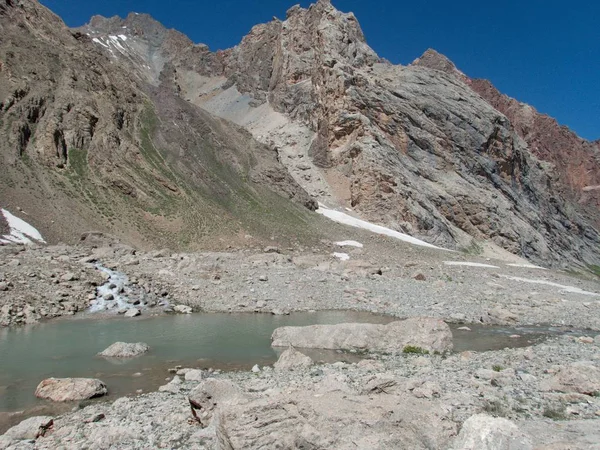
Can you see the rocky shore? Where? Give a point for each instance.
(385, 401)
(395, 399)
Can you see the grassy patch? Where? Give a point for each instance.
(473, 249)
(413, 349)
(594, 269)
(497, 368)
(554, 413)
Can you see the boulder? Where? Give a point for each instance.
(70, 389)
(499, 316)
(483, 432)
(125, 350)
(581, 377)
(429, 334)
(292, 359)
(31, 428)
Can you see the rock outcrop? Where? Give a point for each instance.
(70, 389)
(431, 335)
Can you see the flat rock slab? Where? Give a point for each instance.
(70, 389)
(428, 334)
(125, 350)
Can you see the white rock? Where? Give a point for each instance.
(125, 350)
(483, 432)
(183, 309)
(133, 312)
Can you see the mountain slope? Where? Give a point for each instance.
(574, 161)
(91, 147)
(415, 148)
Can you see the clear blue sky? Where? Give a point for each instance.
(542, 52)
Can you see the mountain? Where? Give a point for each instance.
(421, 148)
(573, 160)
(87, 145)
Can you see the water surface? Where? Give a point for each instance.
(68, 348)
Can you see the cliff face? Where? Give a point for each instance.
(89, 145)
(423, 149)
(572, 160)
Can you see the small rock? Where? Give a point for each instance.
(263, 277)
(3, 286)
(271, 249)
(419, 277)
(95, 418)
(133, 312)
(69, 276)
(194, 375)
(182, 309)
(256, 369)
(125, 350)
(109, 296)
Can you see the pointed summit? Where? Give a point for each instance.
(435, 60)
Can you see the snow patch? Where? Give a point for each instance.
(349, 244)
(342, 256)
(122, 37)
(563, 288)
(98, 41)
(527, 266)
(469, 264)
(340, 217)
(20, 231)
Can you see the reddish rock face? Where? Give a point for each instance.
(575, 160)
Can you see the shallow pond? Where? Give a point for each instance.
(68, 348)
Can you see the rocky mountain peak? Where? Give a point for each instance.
(432, 59)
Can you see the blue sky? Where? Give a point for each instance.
(542, 52)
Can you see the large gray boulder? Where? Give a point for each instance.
(31, 428)
(483, 432)
(70, 389)
(125, 350)
(429, 334)
(292, 359)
